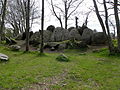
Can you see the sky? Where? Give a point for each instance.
(83, 8)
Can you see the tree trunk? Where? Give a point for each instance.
(110, 44)
(27, 24)
(59, 18)
(99, 18)
(76, 22)
(66, 12)
(117, 22)
(2, 22)
(42, 27)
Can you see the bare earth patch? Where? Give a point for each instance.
(48, 82)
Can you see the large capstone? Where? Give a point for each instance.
(3, 57)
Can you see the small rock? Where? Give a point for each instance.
(3, 57)
(63, 58)
(95, 50)
(100, 59)
(82, 54)
(15, 47)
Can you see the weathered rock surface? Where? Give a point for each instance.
(15, 47)
(3, 57)
(51, 45)
(87, 35)
(74, 34)
(19, 37)
(47, 35)
(36, 37)
(99, 38)
(62, 58)
(59, 34)
(62, 46)
(51, 28)
(69, 29)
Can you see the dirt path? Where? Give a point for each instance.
(48, 82)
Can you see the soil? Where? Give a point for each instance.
(31, 48)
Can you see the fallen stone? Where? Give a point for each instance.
(15, 47)
(3, 57)
(62, 58)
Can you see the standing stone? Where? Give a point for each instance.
(87, 35)
(35, 39)
(74, 34)
(60, 34)
(99, 38)
(46, 35)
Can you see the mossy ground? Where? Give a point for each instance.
(90, 71)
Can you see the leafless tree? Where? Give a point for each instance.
(17, 14)
(3, 14)
(42, 27)
(70, 6)
(105, 27)
(117, 22)
(27, 24)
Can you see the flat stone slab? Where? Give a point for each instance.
(3, 57)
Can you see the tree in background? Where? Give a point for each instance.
(27, 24)
(2, 19)
(42, 27)
(16, 16)
(117, 22)
(69, 7)
(105, 25)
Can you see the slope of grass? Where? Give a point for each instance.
(91, 71)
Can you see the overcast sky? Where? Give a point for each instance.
(83, 8)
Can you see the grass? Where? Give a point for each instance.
(91, 71)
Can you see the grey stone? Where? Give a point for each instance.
(15, 47)
(74, 34)
(36, 37)
(3, 57)
(59, 34)
(47, 35)
(62, 46)
(19, 37)
(62, 58)
(51, 45)
(98, 38)
(87, 35)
